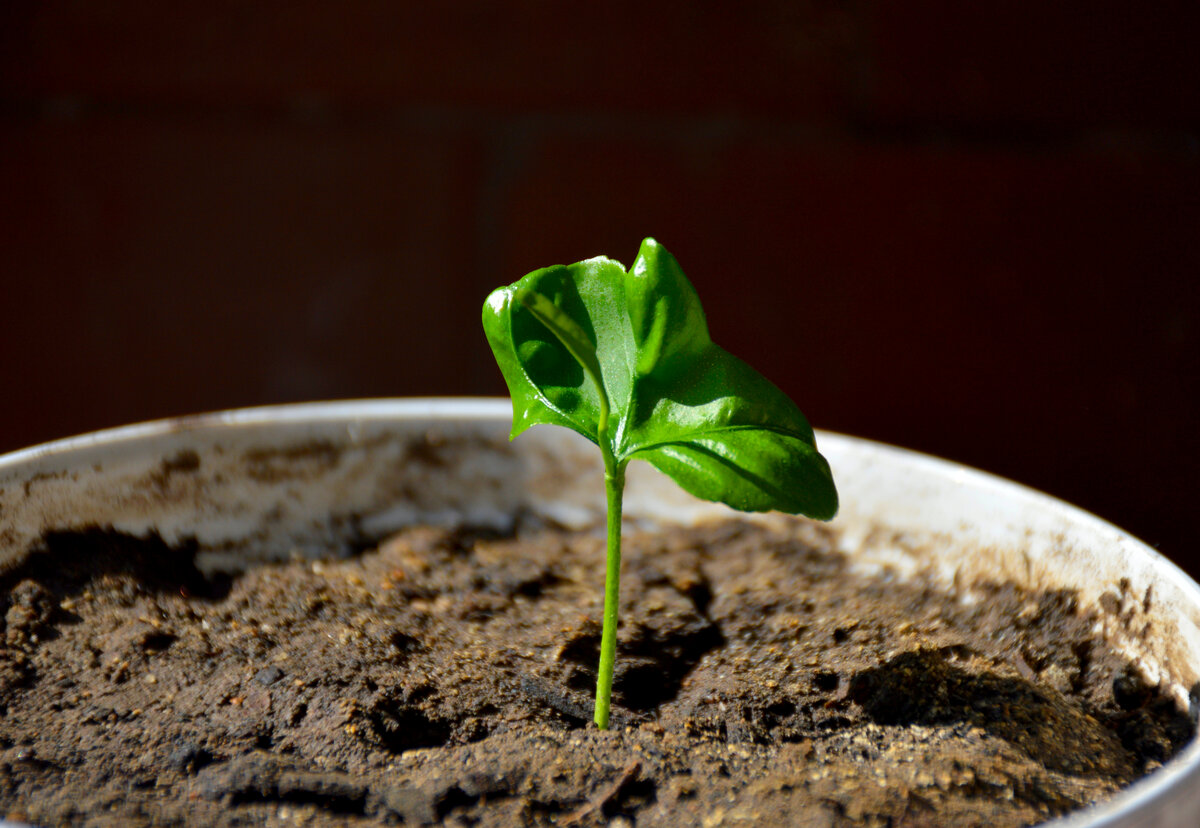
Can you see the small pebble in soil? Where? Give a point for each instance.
(268, 675)
(188, 757)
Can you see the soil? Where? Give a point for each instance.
(446, 676)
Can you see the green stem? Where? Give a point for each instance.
(583, 350)
(614, 488)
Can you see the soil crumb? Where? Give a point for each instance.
(446, 677)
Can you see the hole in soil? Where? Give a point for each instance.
(535, 587)
(407, 728)
(420, 693)
(826, 681)
(1130, 690)
(404, 643)
(157, 641)
(780, 710)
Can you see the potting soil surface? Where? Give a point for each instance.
(446, 677)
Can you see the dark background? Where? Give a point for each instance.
(970, 231)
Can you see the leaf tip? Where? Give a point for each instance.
(647, 253)
(496, 301)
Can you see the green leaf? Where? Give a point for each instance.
(625, 359)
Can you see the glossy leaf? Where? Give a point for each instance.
(625, 359)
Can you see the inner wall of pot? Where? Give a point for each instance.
(269, 484)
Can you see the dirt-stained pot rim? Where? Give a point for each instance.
(264, 483)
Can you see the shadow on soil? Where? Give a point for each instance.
(922, 688)
(651, 666)
(65, 562)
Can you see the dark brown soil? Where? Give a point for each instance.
(447, 677)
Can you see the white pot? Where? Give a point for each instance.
(261, 483)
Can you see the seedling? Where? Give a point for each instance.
(624, 358)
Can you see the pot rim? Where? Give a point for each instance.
(1142, 800)
(500, 409)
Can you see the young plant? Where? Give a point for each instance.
(624, 358)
